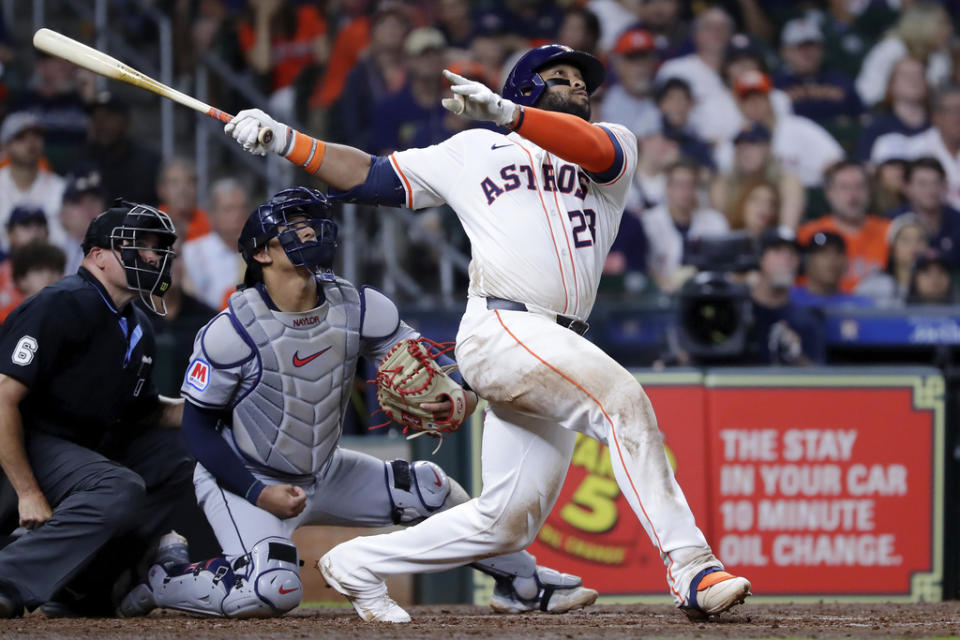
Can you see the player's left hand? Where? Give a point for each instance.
(443, 408)
(475, 100)
(245, 129)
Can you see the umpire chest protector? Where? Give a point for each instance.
(290, 420)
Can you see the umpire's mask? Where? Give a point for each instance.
(144, 241)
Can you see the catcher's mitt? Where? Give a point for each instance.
(408, 377)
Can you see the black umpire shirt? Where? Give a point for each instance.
(87, 365)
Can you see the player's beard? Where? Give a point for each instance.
(551, 101)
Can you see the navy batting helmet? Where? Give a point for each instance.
(282, 217)
(524, 84)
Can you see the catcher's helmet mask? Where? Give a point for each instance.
(284, 217)
(524, 84)
(145, 231)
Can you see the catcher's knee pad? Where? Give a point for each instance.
(417, 490)
(199, 587)
(269, 581)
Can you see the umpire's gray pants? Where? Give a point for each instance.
(93, 498)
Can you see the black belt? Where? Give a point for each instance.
(579, 327)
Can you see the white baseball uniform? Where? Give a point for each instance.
(540, 229)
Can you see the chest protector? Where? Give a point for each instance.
(291, 419)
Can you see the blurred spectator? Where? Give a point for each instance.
(629, 101)
(177, 188)
(942, 141)
(702, 69)
(535, 21)
(925, 188)
(349, 44)
(281, 38)
(430, 131)
(848, 193)
(826, 96)
(128, 169)
(756, 210)
(802, 146)
(211, 261)
(753, 161)
(27, 224)
(398, 116)
(923, 33)
(176, 331)
(455, 20)
(24, 180)
(615, 16)
(931, 282)
(907, 237)
(34, 266)
(54, 99)
(378, 73)
(628, 256)
(904, 111)
(674, 100)
(671, 224)
(83, 200)
(824, 265)
(664, 19)
(887, 179)
(782, 332)
(579, 30)
(650, 182)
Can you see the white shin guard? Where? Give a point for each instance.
(262, 583)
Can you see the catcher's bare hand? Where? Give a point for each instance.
(282, 500)
(441, 410)
(34, 510)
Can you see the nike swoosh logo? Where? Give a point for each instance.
(498, 146)
(438, 483)
(284, 591)
(299, 362)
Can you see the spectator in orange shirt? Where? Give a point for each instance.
(281, 38)
(177, 188)
(848, 193)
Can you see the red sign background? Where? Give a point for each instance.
(819, 491)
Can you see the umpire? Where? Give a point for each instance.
(82, 459)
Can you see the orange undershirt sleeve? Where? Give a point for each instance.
(570, 137)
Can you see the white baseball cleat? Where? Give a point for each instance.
(372, 608)
(715, 592)
(547, 590)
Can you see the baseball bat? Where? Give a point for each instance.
(59, 45)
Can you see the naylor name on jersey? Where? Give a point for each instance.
(567, 180)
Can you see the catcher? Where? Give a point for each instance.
(266, 392)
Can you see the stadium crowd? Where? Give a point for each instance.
(825, 133)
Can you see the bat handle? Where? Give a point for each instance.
(264, 137)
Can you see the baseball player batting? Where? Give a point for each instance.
(265, 391)
(541, 205)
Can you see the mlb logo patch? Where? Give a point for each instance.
(198, 374)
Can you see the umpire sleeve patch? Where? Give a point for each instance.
(198, 374)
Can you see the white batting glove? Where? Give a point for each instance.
(245, 129)
(474, 100)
